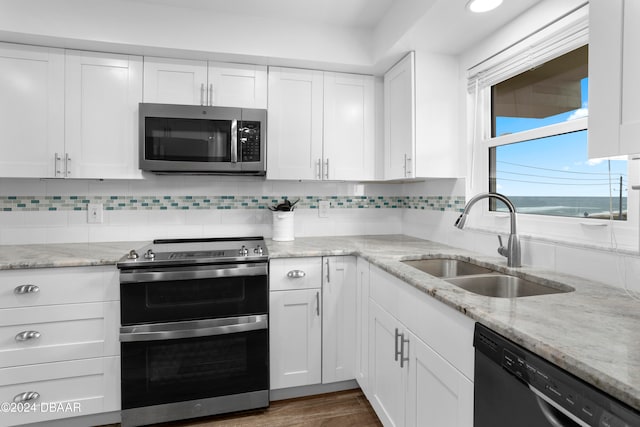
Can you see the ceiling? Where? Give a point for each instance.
(448, 27)
(361, 14)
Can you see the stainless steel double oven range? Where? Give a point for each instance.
(194, 336)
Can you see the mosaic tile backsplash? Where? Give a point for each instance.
(79, 203)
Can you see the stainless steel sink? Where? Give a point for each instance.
(503, 286)
(444, 267)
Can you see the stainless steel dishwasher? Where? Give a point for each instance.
(514, 387)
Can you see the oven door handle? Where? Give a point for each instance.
(210, 272)
(192, 329)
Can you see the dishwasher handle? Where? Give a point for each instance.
(554, 413)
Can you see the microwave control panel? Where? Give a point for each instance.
(249, 141)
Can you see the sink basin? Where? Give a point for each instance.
(444, 267)
(503, 286)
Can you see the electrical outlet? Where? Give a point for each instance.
(94, 213)
(323, 208)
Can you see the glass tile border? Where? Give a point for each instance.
(165, 202)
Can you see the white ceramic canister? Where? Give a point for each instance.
(283, 226)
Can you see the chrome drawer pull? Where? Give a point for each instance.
(296, 274)
(26, 289)
(26, 396)
(27, 335)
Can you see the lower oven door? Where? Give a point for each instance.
(195, 361)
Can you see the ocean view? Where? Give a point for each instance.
(584, 207)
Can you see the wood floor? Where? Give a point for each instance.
(345, 408)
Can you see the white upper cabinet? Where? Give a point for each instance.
(31, 110)
(321, 125)
(175, 81)
(102, 92)
(349, 129)
(399, 119)
(614, 66)
(237, 85)
(179, 81)
(294, 131)
(421, 118)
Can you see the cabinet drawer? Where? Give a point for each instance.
(295, 273)
(58, 286)
(62, 332)
(81, 387)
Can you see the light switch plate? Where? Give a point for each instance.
(94, 213)
(323, 208)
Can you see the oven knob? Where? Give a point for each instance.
(258, 250)
(132, 254)
(243, 251)
(149, 254)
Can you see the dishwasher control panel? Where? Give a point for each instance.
(559, 393)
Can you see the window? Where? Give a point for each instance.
(528, 129)
(538, 146)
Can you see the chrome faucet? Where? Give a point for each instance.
(512, 250)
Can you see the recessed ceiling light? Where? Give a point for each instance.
(480, 6)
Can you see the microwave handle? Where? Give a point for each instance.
(234, 141)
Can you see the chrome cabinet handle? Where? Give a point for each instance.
(318, 303)
(319, 168)
(57, 159)
(67, 164)
(27, 335)
(26, 396)
(211, 94)
(328, 271)
(326, 173)
(26, 289)
(402, 356)
(397, 352)
(296, 274)
(407, 167)
(201, 93)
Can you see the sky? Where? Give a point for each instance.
(554, 166)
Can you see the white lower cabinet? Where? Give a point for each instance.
(420, 357)
(295, 334)
(387, 380)
(338, 319)
(59, 343)
(312, 320)
(437, 394)
(362, 324)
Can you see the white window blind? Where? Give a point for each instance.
(562, 36)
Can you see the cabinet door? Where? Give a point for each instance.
(399, 119)
(386, 391)
(175, 81)
(614, 64)
(237, 85)
(362, 324)
(294, 130)
(295, 333)
(31, 110)
(101, 114)
(338, 319)
(349, 128)
(437, 393)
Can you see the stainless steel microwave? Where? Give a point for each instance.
(192, 139)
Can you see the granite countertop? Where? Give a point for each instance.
(592, 332)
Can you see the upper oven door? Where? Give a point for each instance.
(168, 294)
